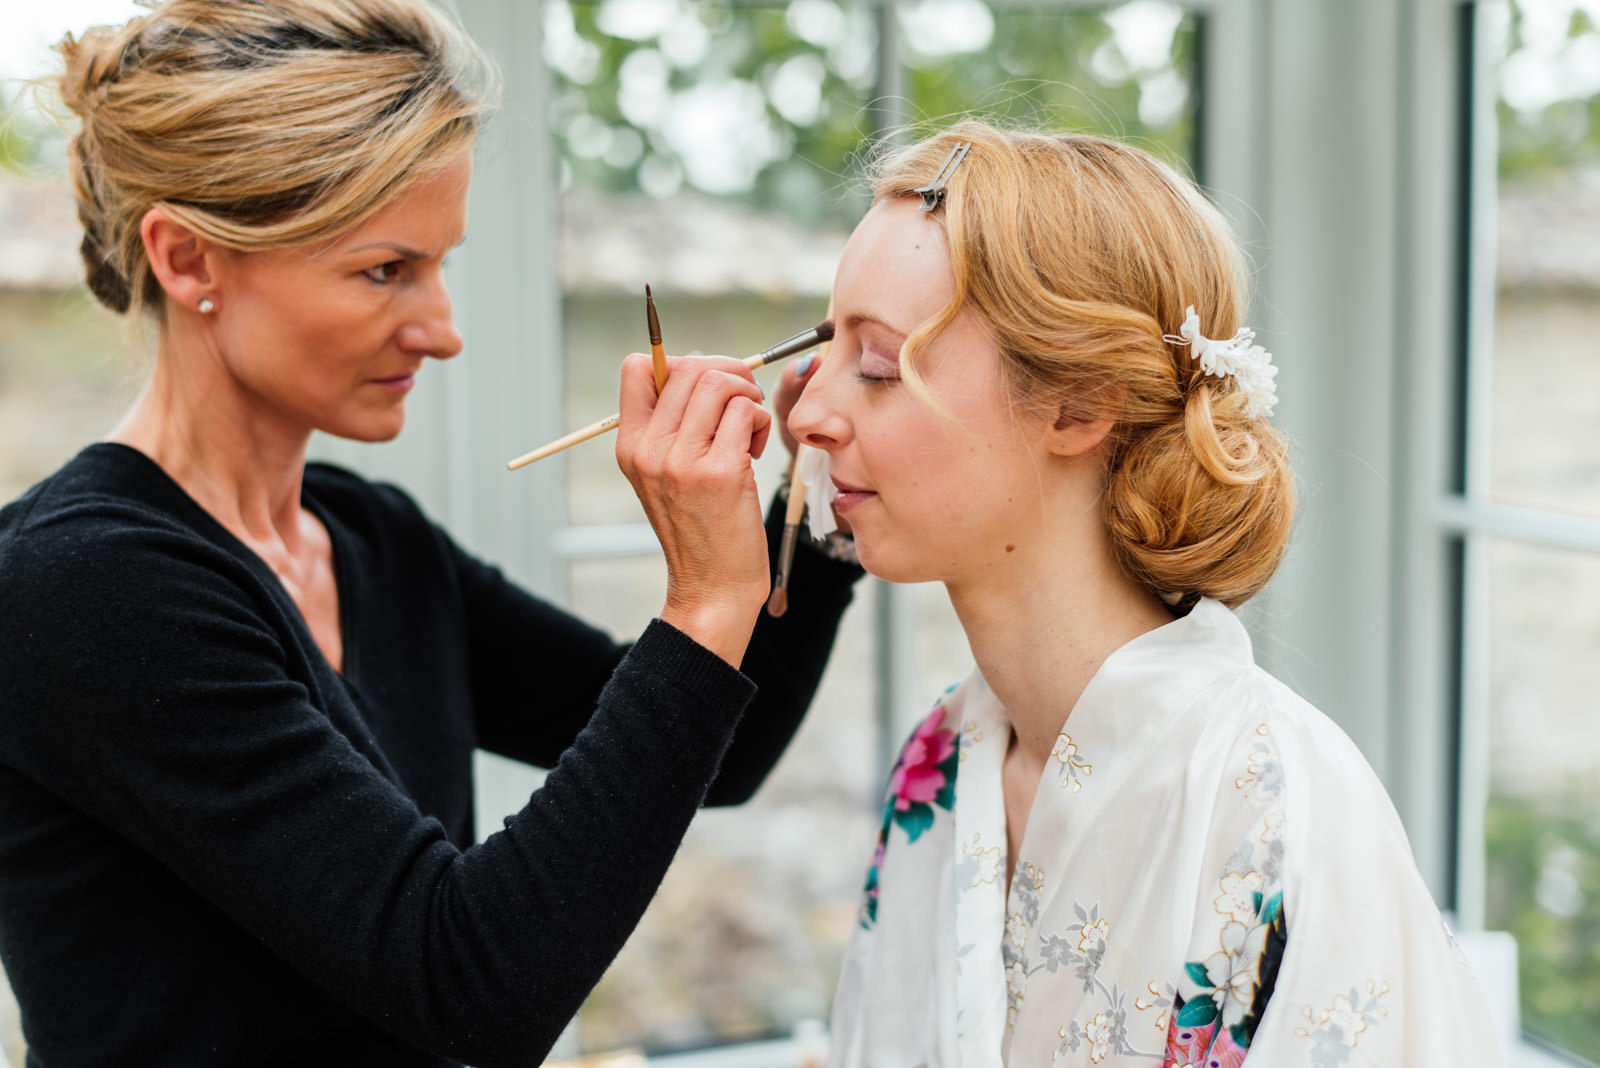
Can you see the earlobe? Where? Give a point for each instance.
(179, 258)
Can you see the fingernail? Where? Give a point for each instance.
(803, 368)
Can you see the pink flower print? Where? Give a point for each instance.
(1186, 1045)
(917, 778)
(1201, 1047)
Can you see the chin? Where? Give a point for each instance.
(371, 433)
(887, 566)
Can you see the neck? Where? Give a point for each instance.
(1040, 632)
(242, 467)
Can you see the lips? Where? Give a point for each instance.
(400, 381)
(846, 496)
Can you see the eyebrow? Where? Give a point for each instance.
(403, 251)
(855, 322)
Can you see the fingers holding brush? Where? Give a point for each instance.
(687, 454)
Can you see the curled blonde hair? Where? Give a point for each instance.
(260, 124)
(1080, 255)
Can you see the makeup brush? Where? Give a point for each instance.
(658, 355)
(778, 602)
(802, 341)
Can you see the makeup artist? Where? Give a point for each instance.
(239, 693)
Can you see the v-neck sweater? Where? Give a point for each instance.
(216, 849)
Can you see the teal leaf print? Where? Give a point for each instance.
(915, 820)
(1197, 1013)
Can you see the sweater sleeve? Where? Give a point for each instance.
(164, 706)
(785, 660)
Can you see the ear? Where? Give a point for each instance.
(1072, 436)
(179, 257)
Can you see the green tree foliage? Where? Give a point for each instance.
(25, 138)
(798, 88)
(1544, 887)
(1549, 111)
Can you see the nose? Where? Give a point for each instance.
(431, 330)
(816, 419)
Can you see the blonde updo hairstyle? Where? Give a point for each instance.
(260, 124)
(1081, 255)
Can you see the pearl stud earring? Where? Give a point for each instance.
(206, 305)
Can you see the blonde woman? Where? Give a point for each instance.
(241, 691)
(1118, 842)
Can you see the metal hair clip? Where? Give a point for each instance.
(933, 192)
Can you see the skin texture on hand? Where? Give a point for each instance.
(687, 453)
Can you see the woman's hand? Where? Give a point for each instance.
(687, 454)
(790, 385)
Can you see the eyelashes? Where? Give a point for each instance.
(876, 367)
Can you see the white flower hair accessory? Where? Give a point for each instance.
(1239, 356)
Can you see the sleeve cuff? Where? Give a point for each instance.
(670, 658)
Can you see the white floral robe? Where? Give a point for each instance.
(1210, 871)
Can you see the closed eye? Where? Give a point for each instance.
(877, 367)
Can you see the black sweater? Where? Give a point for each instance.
(215, 849)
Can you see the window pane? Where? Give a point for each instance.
(1125, 71)
(713, 151)
(1546, 394)
(1543, 823)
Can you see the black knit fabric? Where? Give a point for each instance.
(215, 849)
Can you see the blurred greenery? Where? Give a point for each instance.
(810, 67)
(26, 138)
(1563, 133)
(1544, 887)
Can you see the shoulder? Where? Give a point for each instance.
(1271, 750)
(1309, 743)
(115, 586)
(108, 512)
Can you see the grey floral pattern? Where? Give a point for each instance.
(1335, 1031)
(1103, 1030)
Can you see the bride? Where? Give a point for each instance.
(1119, 841)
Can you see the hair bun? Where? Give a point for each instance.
(1203, 505)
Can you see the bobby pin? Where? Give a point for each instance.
(933, 192)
